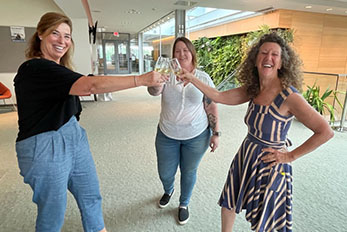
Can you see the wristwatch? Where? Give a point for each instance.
(217, 133)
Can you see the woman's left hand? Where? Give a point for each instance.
(185, 76)
(214, 141)
(276, 156)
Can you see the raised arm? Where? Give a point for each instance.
(230, 97)
(155, 91)
(87, 85)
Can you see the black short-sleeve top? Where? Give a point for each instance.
(42, 91)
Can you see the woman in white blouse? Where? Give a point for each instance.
(187, 121)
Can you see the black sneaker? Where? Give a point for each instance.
(183, 215)
(165, 199)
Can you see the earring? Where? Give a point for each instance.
(40, 38)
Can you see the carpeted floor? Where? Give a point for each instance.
(121, 135)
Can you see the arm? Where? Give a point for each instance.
(212, 115)
(322, 132)
(230, 97)
(155, 91)
(103, 84)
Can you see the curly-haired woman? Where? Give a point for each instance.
(260, 176)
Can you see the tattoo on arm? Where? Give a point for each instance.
(212, 121)
(207, 101)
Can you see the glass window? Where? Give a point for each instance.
(158, 39)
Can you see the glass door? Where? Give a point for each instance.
(116, 57)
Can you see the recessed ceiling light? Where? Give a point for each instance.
(329, 9)
(308, 7)
(133, 11)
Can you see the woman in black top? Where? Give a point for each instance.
(52, 149)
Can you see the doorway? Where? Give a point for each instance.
(116, 55)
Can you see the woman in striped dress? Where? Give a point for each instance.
(260, 177)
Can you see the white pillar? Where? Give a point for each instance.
(141, 60)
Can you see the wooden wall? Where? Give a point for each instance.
(320, 39)
(238, 27)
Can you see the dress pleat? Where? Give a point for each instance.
(265, 193)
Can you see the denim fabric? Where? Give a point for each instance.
(54, 162)
(186, 154)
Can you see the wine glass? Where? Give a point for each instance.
(176, 69)
(162, 65)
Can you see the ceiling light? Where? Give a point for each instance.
(133, 11)
(329, 9)
(308, 7)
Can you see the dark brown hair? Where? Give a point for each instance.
(48, 23)
(289, 74)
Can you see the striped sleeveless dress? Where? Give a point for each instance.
(265, 193)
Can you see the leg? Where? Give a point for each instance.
(45, 166)
(84, 185)
(167, 160)
(192, 152)
(228, 219)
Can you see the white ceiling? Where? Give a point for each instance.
(114, 14)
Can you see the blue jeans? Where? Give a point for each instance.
(186, 154)
(54, 162)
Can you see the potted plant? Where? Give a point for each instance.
(317, 101)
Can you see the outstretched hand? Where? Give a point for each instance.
(276, 156)
(185, 76)
(153, 79)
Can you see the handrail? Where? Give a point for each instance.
(344, 109)
(344, 112)
(226, 80)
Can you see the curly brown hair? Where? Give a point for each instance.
(48, 23)
(290, 73)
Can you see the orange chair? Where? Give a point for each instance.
(5, 93)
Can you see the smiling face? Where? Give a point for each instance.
(57, 43)
(184, 56)
(269, 59)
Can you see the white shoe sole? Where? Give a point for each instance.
(183, 222)
(163, 206)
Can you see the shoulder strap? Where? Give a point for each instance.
(283, 95)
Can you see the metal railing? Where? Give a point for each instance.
(227, 83)
(324, 80)
(337, 82)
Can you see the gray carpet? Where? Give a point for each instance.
(121, 135)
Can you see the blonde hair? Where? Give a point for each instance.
(48, 23)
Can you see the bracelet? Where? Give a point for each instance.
(135, 82)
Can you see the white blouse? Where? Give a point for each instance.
(182, 109)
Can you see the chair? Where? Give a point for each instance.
(5, 93)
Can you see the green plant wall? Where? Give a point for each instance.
(220, 56)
